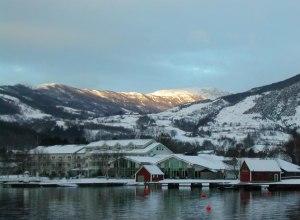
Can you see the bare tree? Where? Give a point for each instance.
(105, 161)
(116, 161)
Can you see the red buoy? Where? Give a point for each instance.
(208, 208)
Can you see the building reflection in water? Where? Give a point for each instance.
(133, 203)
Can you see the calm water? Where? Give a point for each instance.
(131, 203)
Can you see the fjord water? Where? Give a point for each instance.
(133, 203)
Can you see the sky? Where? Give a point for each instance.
(147, 45)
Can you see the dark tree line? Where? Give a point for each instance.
(292, 147)
(178, 146)
(17, 136)
(144, 121)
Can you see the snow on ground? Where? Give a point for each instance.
(125, 121)
(181, 95)
(62, 124)
(26, 112)
(131, 182)
(90, 134)
(177, 112)
(233, 114)
(69, 110)
(25, 178)
(231, 123)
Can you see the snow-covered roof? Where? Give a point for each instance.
(148, 148)
(287, 166)
(134, 142)
(131, 151)
(260, 165)
(214, 157)
(146, 159)
(82, 151)
(210, 163)
(153, 169)
(57, 149)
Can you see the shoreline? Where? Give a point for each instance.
(35, 182)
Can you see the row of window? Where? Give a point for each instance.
(59, 157)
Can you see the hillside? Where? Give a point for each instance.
(56, 107)
(52, 101)
(259, 117)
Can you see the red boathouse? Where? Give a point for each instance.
(257, 170)
(149, 173)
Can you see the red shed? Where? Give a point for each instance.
(149, 173)
(257, 170)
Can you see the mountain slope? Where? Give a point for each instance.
(23, 103)
(261, 117)
(265, 115)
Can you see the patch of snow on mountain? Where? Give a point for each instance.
(26, 111)
(61, 124)
(181, 95)
(69, 110)
(236, 113)
(125, 121)
(191, 93)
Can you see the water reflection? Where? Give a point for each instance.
(134, 203)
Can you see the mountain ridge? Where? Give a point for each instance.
(58, 100)
(265, 114)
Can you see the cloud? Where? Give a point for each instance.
(149, 45)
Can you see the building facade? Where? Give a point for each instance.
(109, 158)
(178, 166)
(149, 173)
(257, 170)
(58, 160)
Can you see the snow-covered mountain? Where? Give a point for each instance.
(50, 101)
(260, 117)
(263, 116)
(183, 96)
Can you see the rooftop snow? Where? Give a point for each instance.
(135, 142)
(260, 165)
(147, 159)
(203, 161)
(135, 151)
(153, 170)
(57, 149)
(287, 166)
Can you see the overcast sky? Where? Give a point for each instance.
(146, 45)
